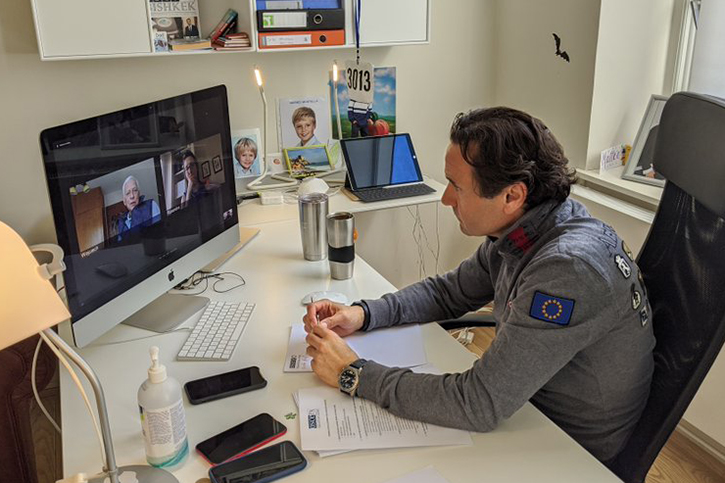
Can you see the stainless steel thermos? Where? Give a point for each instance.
(341, 244)
(313, 212)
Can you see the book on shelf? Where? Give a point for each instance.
(227, 24)
(239, 41)
(189, 44)
(175, 20)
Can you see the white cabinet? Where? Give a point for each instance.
(388, 22)
(76, 29)
(81, 28)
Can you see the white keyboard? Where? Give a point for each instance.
(217, 332)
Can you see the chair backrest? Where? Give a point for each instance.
(683, 265)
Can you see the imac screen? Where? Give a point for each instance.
(135, 190)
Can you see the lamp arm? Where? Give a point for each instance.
(257, 182)
(111, 468)
(55, 266)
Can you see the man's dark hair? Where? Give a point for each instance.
(505, 146)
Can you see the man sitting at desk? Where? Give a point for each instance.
(574, 330)
(141, 212)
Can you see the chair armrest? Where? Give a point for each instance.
(474, 319)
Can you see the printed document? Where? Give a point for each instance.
(393, 347)
(331, 420)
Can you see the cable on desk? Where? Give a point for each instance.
(202, 276)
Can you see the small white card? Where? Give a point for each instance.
(613, 157)
(360, 80)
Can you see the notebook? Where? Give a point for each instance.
(383, 168)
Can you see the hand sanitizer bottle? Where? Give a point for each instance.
(162, 417)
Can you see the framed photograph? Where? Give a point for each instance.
(639, 164)
(216, 163)
(132, 128)
(303, 122)
(307, 161)
(205, 169)
(248, 153)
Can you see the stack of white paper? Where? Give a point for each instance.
(332, 422)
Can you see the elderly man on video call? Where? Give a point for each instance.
(141, 212)
(573, 333)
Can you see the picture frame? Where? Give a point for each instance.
(303, 122)
(639, 163)
(307, 161)
(246, 139)
(206, 169)
(216, 163)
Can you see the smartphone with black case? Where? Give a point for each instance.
(224, 385)
(265, 465)
(241, 439)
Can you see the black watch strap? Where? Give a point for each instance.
(358, 364)
(366, 310)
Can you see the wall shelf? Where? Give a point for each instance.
(66, 30)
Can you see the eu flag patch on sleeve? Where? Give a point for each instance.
(548, 308)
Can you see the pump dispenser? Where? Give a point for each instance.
(162, 417)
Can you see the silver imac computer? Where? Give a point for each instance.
(142, 198)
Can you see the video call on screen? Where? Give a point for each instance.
(382, 161)
(136, 189)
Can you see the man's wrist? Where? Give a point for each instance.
(366, 311)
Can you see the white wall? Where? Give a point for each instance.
(529, 75)
(435, 82)
(634, 61)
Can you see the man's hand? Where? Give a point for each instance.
(330, 354)
(341, 319)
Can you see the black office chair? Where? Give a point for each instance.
(683, 264)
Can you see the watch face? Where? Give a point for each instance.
(347, 379)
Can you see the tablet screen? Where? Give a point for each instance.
(381, 161)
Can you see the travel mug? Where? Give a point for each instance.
(341, 244)
(313, 211)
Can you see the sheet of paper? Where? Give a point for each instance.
(394, 347)
(423, 369)
(331, 420)
(425, 475)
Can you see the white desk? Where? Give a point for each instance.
(527, 447)
(253, 213)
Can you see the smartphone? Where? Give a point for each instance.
(241, 439)
(224, 385)
(265, 465)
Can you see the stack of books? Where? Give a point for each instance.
(189, 44)
(226, 25)
(238, 41)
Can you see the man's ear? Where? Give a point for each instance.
(515, 197)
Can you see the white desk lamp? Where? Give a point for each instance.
(256, 183)
(335, 78)
(29, 305)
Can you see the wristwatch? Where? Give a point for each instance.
(349, 378)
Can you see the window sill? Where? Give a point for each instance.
(637, 200)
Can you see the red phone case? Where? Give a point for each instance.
(248, 450)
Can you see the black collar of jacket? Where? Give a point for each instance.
(518, 239)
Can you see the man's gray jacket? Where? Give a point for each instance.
(573, 336)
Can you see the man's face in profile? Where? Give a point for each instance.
(131, 195)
